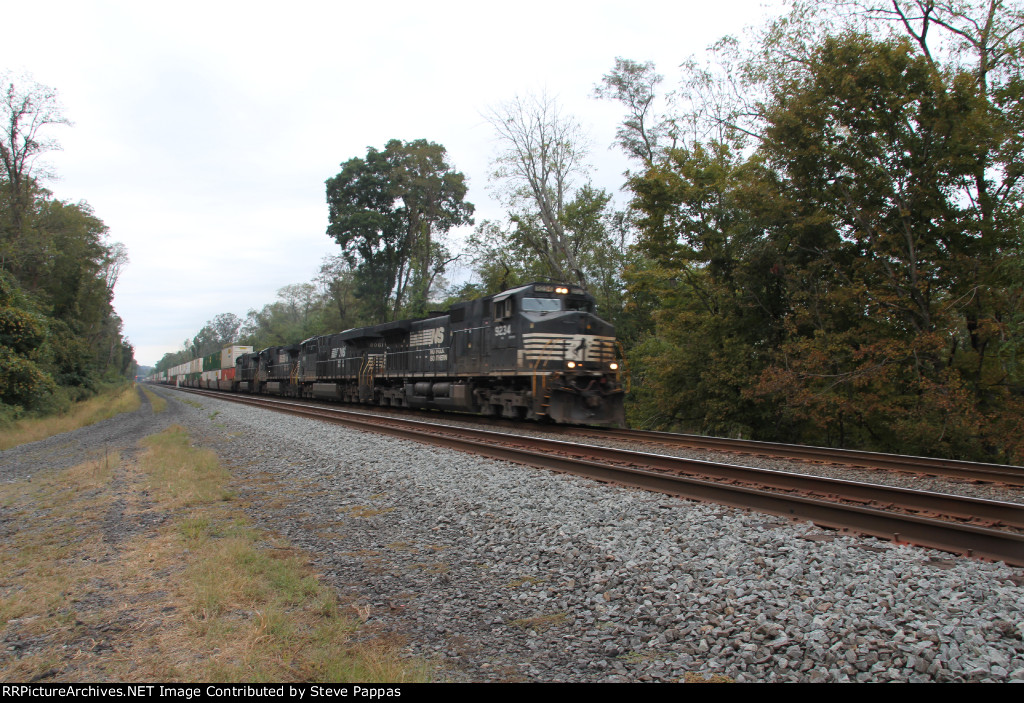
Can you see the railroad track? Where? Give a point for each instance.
(976, 472)
(917, 465)
(982, 528)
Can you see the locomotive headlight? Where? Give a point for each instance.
(562, 291)
(613, 367)
(571, 364)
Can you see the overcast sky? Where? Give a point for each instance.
(204, 131)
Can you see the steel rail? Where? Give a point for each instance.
(956, 537)
(951, 468)
(1007, 474)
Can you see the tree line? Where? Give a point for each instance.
(822, 242)
(830, 236)
(60, 338)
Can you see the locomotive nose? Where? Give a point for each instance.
(575, 322)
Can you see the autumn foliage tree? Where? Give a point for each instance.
(839, 262)
(872, 148)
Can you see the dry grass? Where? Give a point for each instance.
(59, 528)
(88, 412)
(158, 403)
(181, 475)
(149, 571)
(694, 677)
(539, 623)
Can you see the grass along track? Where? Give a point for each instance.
(124, 399)
(147, 569)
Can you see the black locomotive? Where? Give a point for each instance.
(534, 352)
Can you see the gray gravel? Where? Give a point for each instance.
(961, 487)
(499, 572)
(495, 572)
(61, 451)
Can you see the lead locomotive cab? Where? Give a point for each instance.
(539, 351)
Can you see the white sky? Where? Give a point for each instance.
(204, 131)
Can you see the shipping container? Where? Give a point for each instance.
(211, 362)
(229, 354)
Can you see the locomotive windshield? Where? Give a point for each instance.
(584, 305)
(541, 304)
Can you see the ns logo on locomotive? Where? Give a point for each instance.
(533, 352)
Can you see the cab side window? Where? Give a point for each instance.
(503, 309)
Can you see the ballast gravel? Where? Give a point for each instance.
(497, 572)
(494, 571)
(846, 472)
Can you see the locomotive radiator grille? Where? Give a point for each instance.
(567, 347)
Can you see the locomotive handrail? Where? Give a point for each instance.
(624, 368)
(365, 375)
(536, 366)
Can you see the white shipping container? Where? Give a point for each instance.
(230, 354)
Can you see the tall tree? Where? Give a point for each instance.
(851, 239)
(57, 258)
(434, 202)
(389, 212)
(543, 155)
(634, 85)
(226, 326)
(871, 147)
(26, 109)
(337, 281)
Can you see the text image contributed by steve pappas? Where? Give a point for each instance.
(190, 692)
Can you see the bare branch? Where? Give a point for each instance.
(544, 153)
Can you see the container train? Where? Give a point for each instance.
(537, 352)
